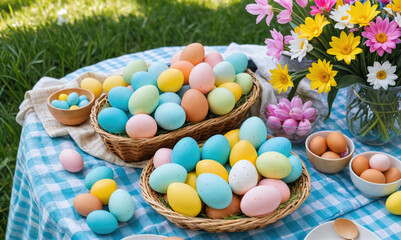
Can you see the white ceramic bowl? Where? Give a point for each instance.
(375, 190)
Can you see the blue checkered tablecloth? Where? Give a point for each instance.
(41, 205)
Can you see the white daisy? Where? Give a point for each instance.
(60, 17)
(382, 75)
(299, 47)
(341, 16)
(397, 19)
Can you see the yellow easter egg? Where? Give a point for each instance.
(92, 85)
(232, 137)
(112, 82)
(273, 165)
(211, 166)
(183, 199)
(103, 189)
(393, 203)
(191, 179)
(171, 80)
(235, 88)
(243, 150)
(74, 107)
(62, 97)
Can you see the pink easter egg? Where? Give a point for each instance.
(281, 186)
(141, 126)
(71, 160)
(213, 58)
(175, 58)
(162, 156)
(380, 162)
(202, 78)
(260, 200)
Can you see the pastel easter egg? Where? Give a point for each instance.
(191, 179)
(296, 169)
(62, 97)
(55, 103)
(92, 85)
(186, 153)
(260, 200)
(141, 126)
(202, 78)
(211, 166)
(176, 57)
(183, 90)
(121, 205)
(112, 120)
(243, 176)
(144, 100)
(239, 61)
(82, 98)
(243, 150)
(86, 203)
(221, 101)
(97, 174)
(235, 88)
(83, 103)
(71, 160)
(112, 82)
(214, 190)
(103, 189)
(224, 72)
(170, 80)
(216, 148)
(232, 137)
(169, 97)
(101, 222)
(276, 144)
(74, 107)
(393, 203)
(157, 68)
(273, 165)
(253, 130)
(162, 156)
(165, 175)
(193, 53)
(213, 58)
(170, 116)
(245, 81)
(119, 97)
(183, 199)
(184, 67)
(73, 99)
(380, 162)
(232, 209)
(281, 186)
(140, 79)
(195, 105)
(63, 105)
(133, 67)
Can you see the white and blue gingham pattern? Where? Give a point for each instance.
(41, 205)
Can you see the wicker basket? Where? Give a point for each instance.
(135, 150)
(301, 187)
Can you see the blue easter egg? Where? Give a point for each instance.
(296, 169)
(157, 68)
(276, 144)
(169, 97)
(239, 61)
(216, 148)
(112, 120)
(55, 103)
(83, 103)
(254, 131)
(101, 222)
(186, 153)
(73, 99)
(183, 90)
(83, 97)
(97, 174)
(165, 175)
(170, 116)
(214, 190)
(121, 205)
(64, 105)
(140, 79)
(224, 72)
(119, 97)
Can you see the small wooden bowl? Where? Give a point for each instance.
(74, 116)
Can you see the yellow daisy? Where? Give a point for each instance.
(312, 27)
(322, 76)
(346, 47)
(394, 6)
(362, 13)
(280, 79)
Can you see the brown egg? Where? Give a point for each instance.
(374, 176)
(172, 238)
(195, 105)
(337, 142)
(232, 209)
(193, 53)
(392, 174)
(360, 164)
(86, 203)
(330, 155)
(318, 145)
(184, 67)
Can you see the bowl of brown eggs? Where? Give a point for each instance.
(329, 151)
(375, 174)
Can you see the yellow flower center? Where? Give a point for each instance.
(381, 75)
(381, 38)
(283, 79)
(395, 7)
(344, 17)
(302, 45)
(324, 77)
(346, 49)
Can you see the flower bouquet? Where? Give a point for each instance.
(352, 44)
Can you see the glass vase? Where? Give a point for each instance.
(374, 115)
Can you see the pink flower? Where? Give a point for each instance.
(306, 105)
(287, 39)
(296, 102)
(309, 114)
(270, 109)
(322, 5)
(302, 3)
(304, 127)
(385, 1)
(285, 15)
(282, 114)
(296, 113)
(262, 9)
(275, 46)
(382, 36)
(274, 122)
(290, 125)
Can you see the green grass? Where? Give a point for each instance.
(32, 45)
